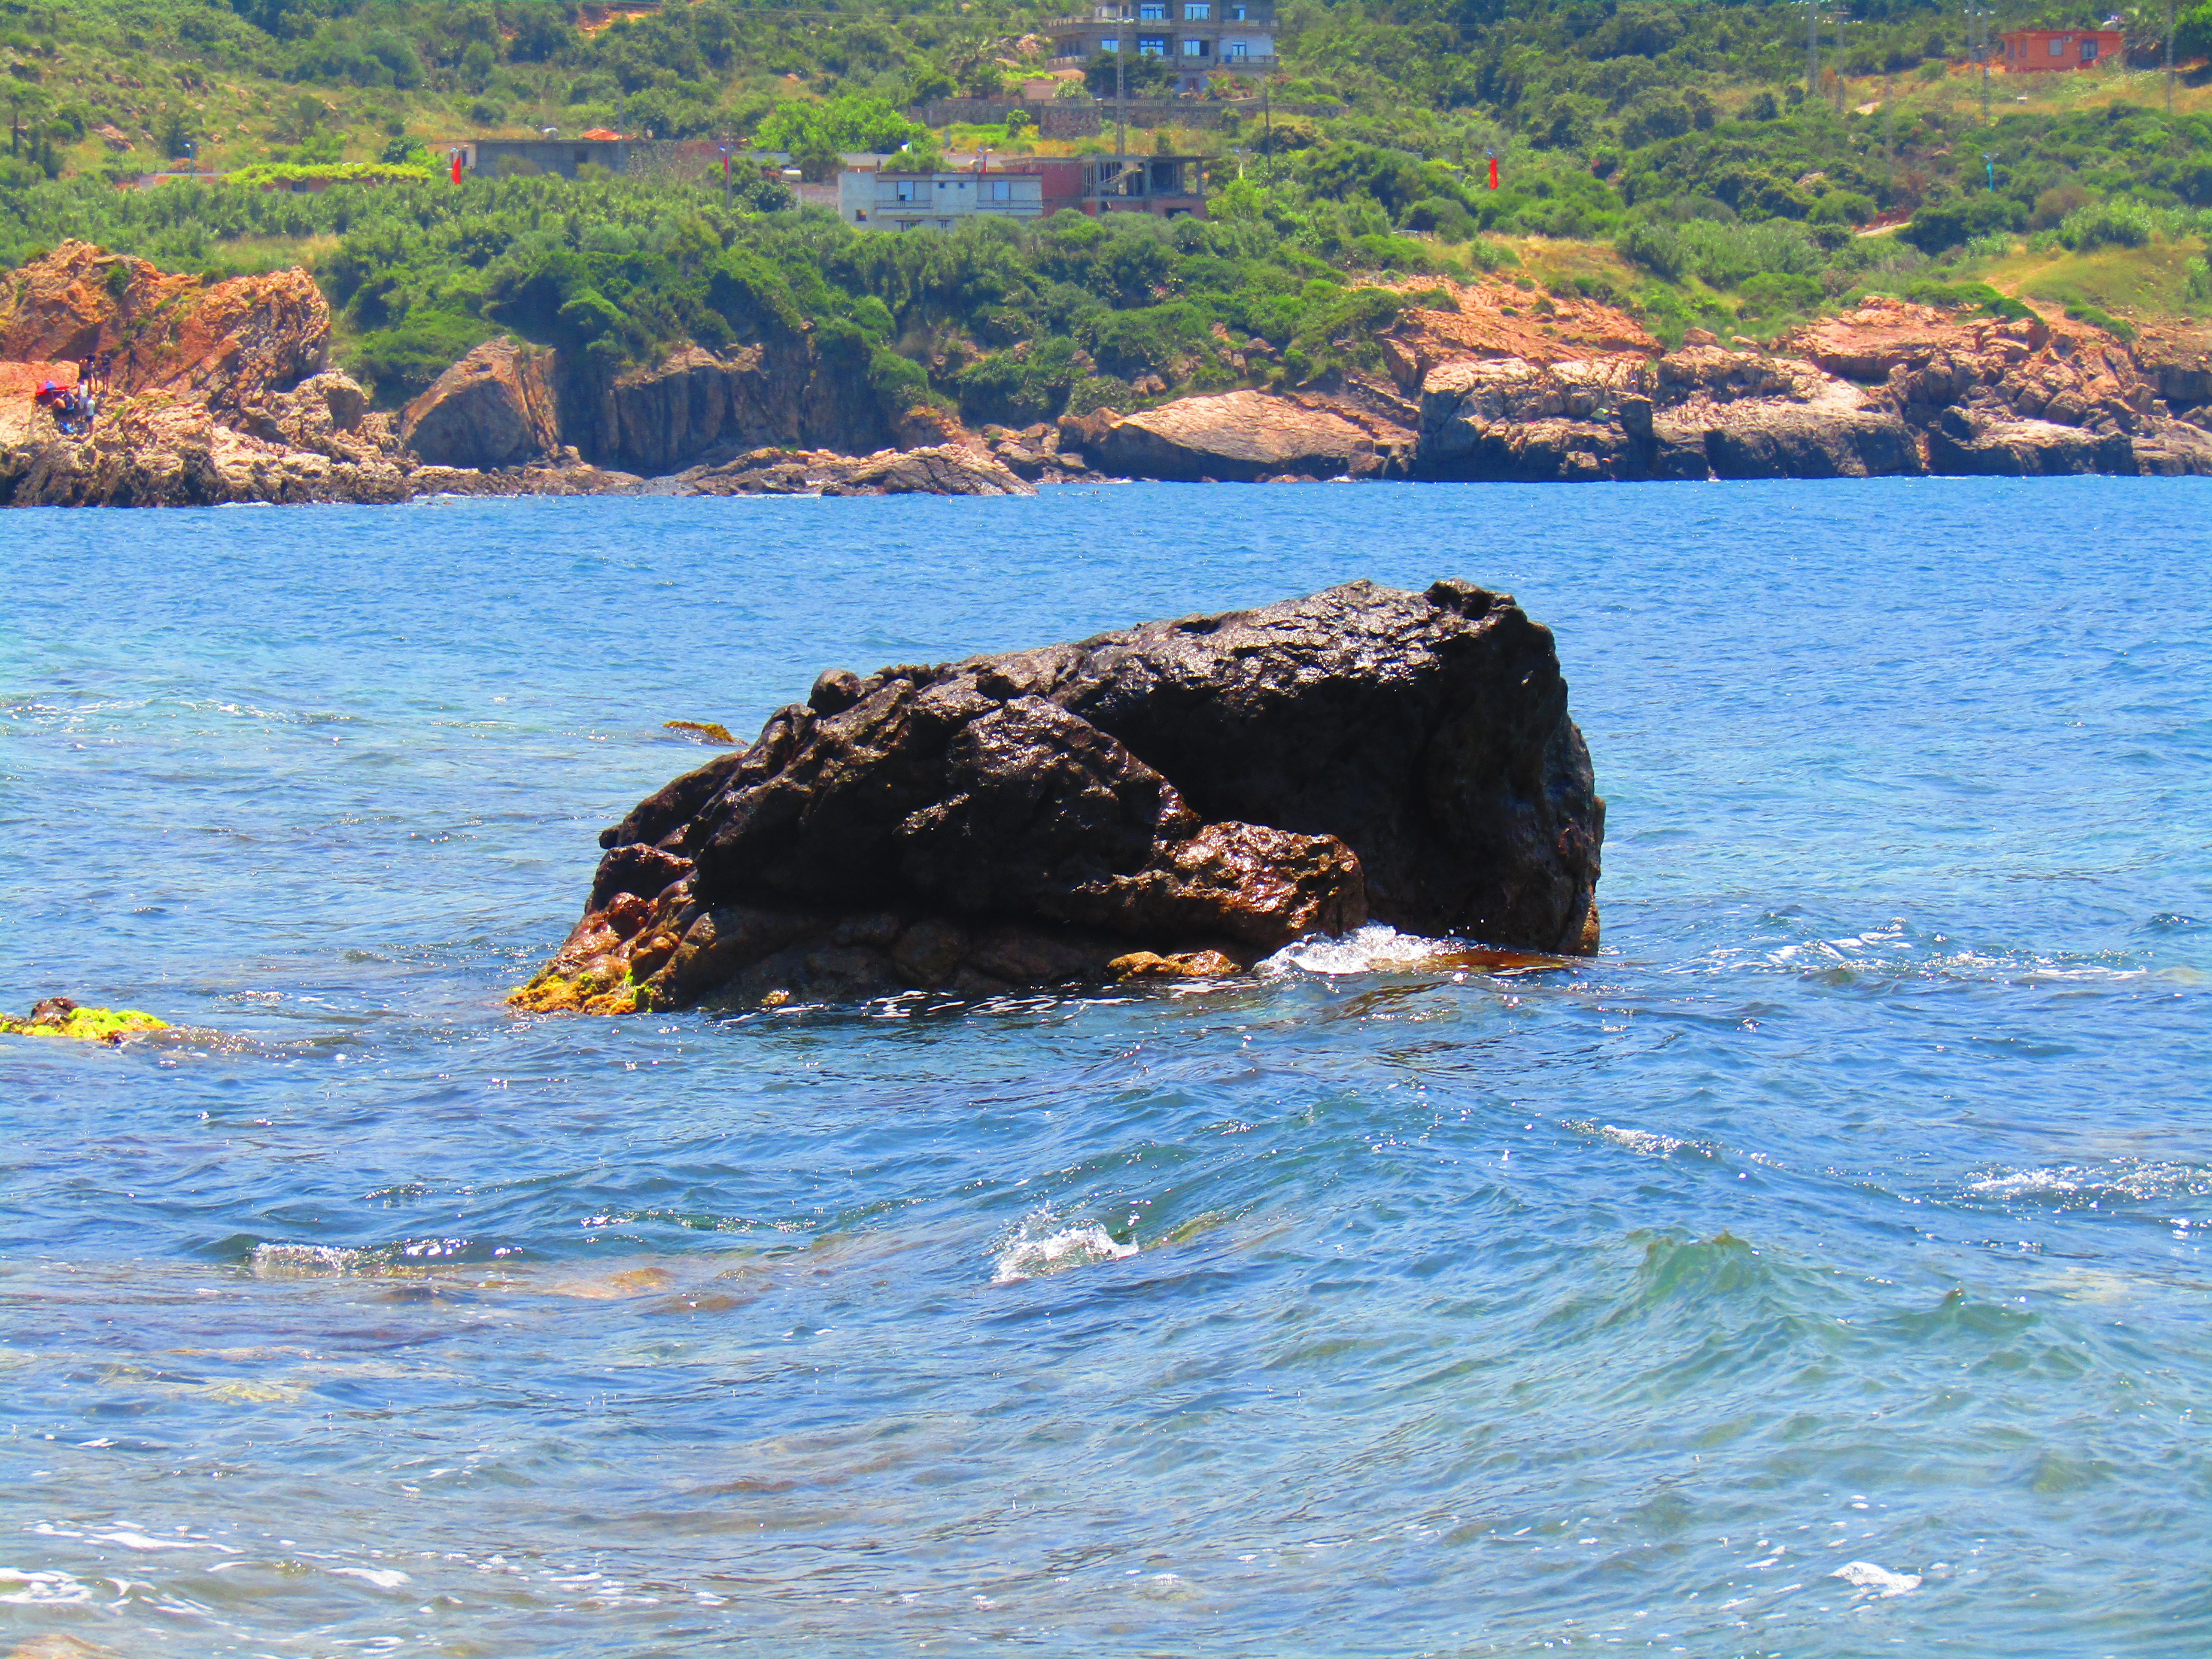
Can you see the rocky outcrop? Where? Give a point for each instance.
(1496, 318)
(2177, 361)
(160, 449)
(214, 395)
(1888, 390)
(1246, 436)
(62, 1017)
(226, 343)
(938, 469)
(493, 408)
(1217, 783)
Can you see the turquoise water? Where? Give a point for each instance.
(1819, 1271)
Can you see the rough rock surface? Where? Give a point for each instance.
(229, 343)
(159, 449)
(1220, 783)
(493, 408)
(1246, 436)
(215, 396)
(939, 470)
(1495, 317)
(1889, 389)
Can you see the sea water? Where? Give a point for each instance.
(1819, 1271)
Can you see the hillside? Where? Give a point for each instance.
(1663, 157)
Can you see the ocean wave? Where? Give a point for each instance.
(1042, 1247)
(1377, 948)
(2123, 1183)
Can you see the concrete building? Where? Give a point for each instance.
(1027, 188)
(2033, 51)
(1198, 38)
(498, 157)
(913, 201)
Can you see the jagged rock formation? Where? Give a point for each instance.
(938, 469)
(226, 343)
(160, 449)
(215, 396)
(1247, 436)
(1223, 783)
(493, 408)
(1888, 389)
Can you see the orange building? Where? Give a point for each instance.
(2028, 51)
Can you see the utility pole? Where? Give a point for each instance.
(2169, 59)
(1121, 94)
(1978, 47)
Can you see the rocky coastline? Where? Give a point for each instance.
(221, 392)
(1177, 799)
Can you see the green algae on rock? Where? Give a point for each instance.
(62, 1018)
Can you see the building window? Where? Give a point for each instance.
(2088, 52)
(1236, 49)
(1109, 43)
(1194, 48)
(2058, 48)
(1152, 11)
(1235, 13)
(905, 189)
(1152, 45)
(1197, 11)
(1002, 190)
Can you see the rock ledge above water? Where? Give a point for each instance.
(1221, 784)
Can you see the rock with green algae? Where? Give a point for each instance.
(62, 1018)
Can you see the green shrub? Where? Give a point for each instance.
(1101, 392)
(394, 364)
(2107, 224)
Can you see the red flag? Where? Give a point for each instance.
(457, 167)
(1493, 173)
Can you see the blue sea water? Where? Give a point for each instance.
(1819, 1271)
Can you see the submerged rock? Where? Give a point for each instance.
(1217, 784)
(59, 1017)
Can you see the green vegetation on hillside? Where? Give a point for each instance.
(1659, 154)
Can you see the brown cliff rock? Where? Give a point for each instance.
(1221, 784)
(1246, 436)
(492, 408)
(1494, 319)
(2177, 362)
(229, 343)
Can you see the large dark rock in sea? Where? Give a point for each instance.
(1205, 790)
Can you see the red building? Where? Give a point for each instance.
(2029, 51)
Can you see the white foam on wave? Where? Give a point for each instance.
(1876, 1582)
(42, 1589)
(2141, 1183)
(1041, 1247)
(1363, 950)
(392, 1577)
(280, 1260)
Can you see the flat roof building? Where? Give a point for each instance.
(1027, 188)
(1197, 38)
(501, 157)
(2029, 51)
